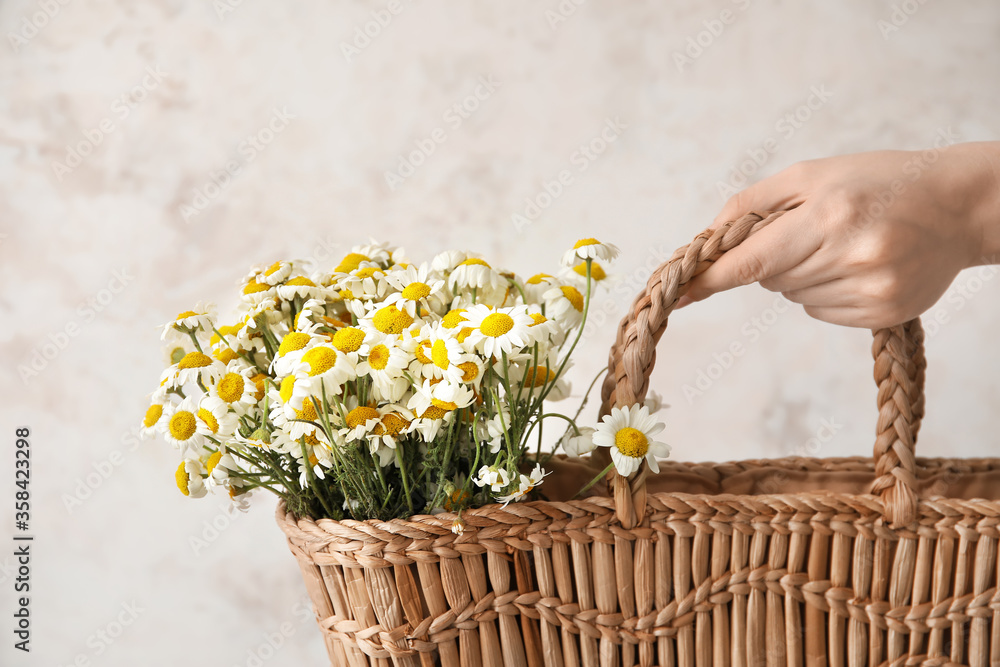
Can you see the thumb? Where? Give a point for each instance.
(782, 245)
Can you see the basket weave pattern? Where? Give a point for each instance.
(903, 572)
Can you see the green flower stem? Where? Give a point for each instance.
(406, 484)
(599, 477)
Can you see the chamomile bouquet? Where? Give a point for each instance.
(382, 388)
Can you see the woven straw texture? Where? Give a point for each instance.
(883, 561)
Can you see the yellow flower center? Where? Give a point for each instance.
(439, 353)
(301, 280)
(360, 416)
(308, 411)
(153, 415)
(225, 354)
(253, 287)
(453, 318)
(474, 261)
(350, 262)
(212, 461)
(230, 387)
(421, 352)
(186, 313)
(573, 295)
(433, 412)
(538, 319)
(391, 320)
(348, 339)
(274, 268)
(379, 357)
(320, 360)
(497, 324)
(631, 442)
(416, 291)
(444, 405)
(258, 381)
(538, 376)
(392, 424)
(596, 270)
(182, 479)
(287, 387)
(346, 294)
(583, 242)
(367, 272)
(293, 341)
(210, 421)
(538, 278)
(470, 371)
(464, 333)
(182, 425)
(195, 360)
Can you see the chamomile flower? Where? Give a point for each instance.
(444, 396)
(215, 419)
(415, 286)
(293, 346)
(628, 432)
(445, 353)
(565, 305)
(476, 273)
(255, 291)
(180, 425)
(537, 285)
(365, 283)
(322, 370)
(543, 329)
(295, 420)
(575, 445)
(598, 276)
(390, 320)
(495, 478)
(499, 331)
(236, 387)
(201, 318)
(385, 364)
(526, 485)
(151, 422)
(218, 466)
(190, 478)
(359, 422)
(299, 286)
(446, 261)
(470, 370)
(275, 274)
(589, 249)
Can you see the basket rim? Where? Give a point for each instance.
(497, 521)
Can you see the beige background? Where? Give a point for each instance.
(319, 186)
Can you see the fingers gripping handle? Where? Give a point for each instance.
(899, 372)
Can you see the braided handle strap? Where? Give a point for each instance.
(899, 373)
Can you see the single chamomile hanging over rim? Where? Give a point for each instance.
(629, 433)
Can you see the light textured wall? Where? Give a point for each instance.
(319, 186)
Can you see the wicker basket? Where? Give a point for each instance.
(854, 562)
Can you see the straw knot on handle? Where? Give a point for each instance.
(899, 372)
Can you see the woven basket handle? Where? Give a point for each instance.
(899, 373)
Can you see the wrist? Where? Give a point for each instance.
(984, 198)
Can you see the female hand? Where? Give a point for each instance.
(872, 239)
